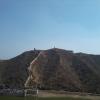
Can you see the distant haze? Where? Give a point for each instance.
(42, 24)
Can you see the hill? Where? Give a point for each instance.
(58, 69)
(53, 69)
(13, 72)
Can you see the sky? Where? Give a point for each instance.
(43, 24)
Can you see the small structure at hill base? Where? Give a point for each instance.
(31, 93)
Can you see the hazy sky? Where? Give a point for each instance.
(41, 24)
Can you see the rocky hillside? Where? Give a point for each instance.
(55, 69)
(13, 72)
(59, 69)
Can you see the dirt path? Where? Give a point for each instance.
(64, 94)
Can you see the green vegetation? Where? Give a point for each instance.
(40, 98)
